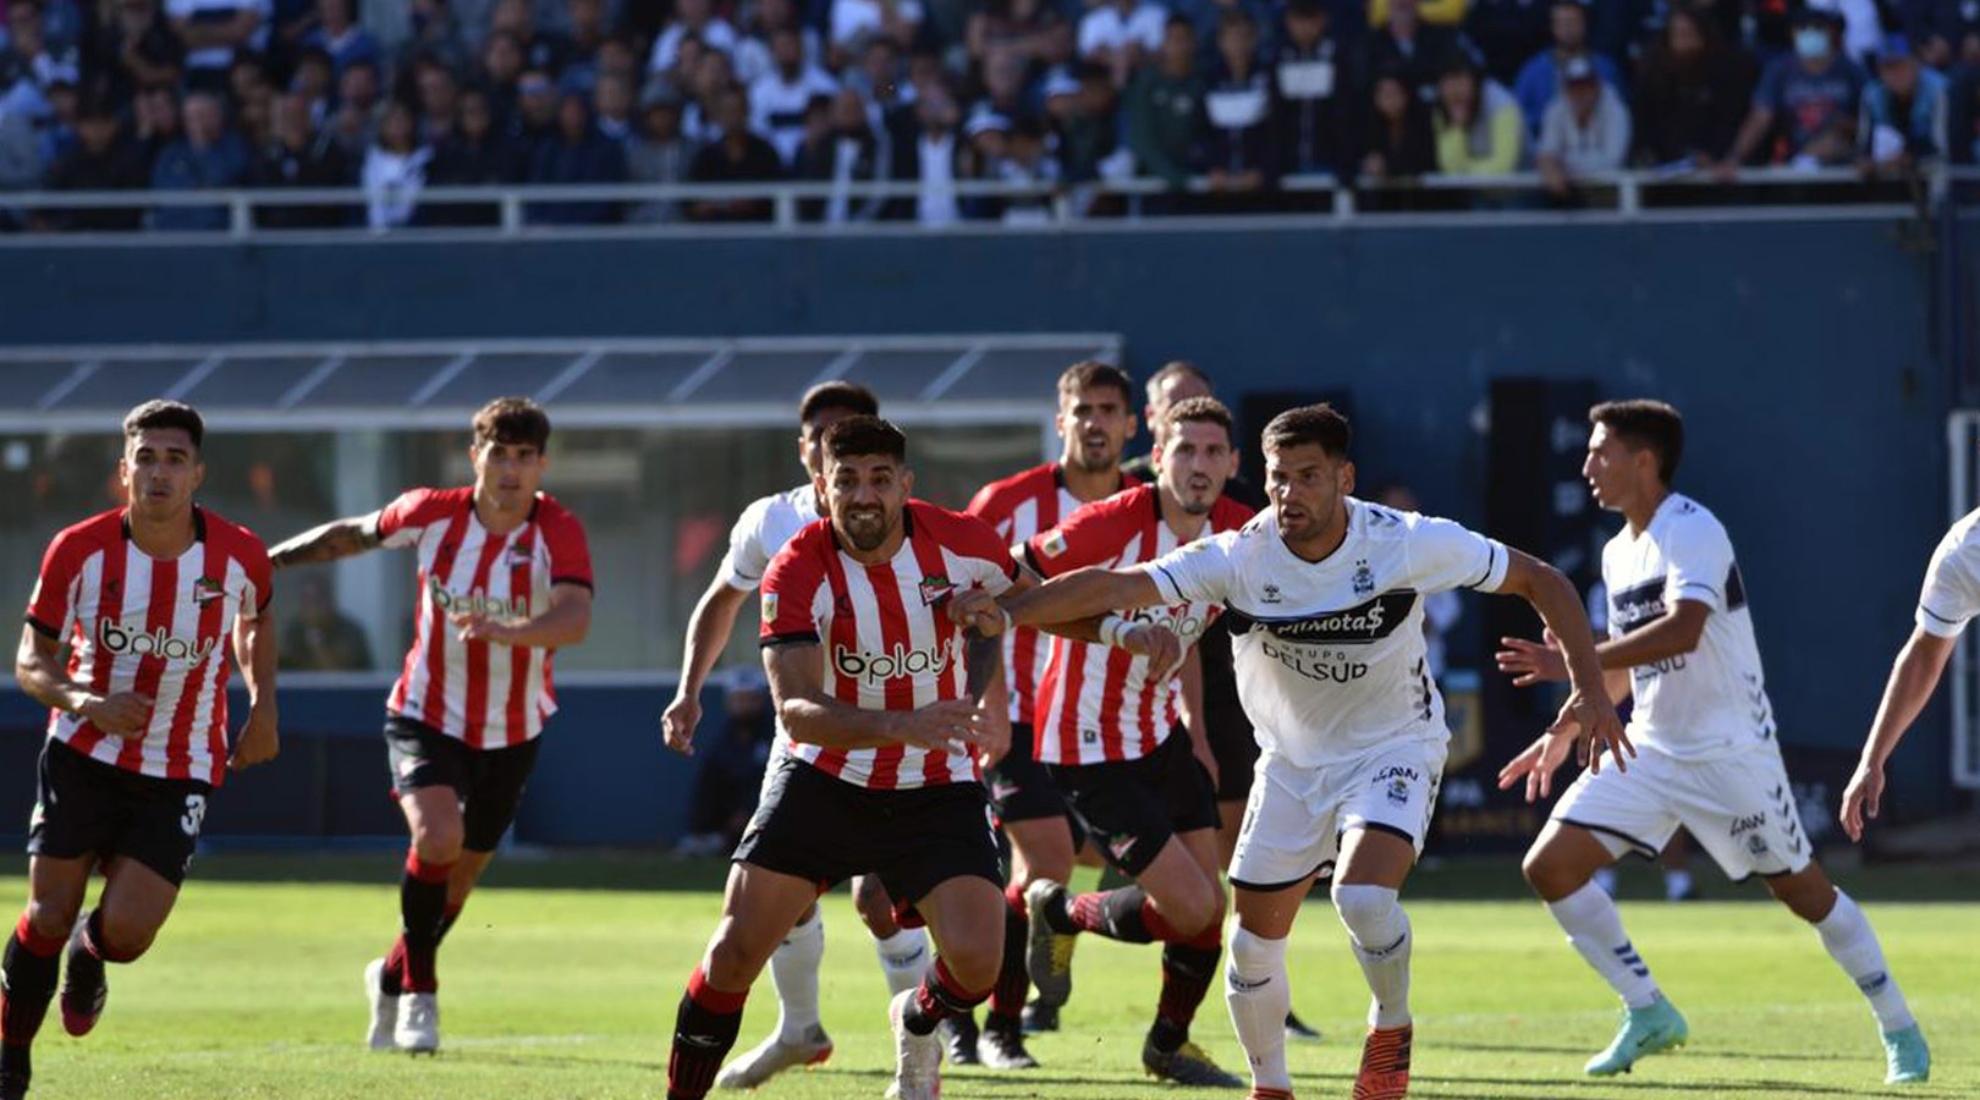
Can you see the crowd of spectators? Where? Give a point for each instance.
(400, 96)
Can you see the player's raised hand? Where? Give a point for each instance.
(678, 722)
(977, 609)
(1530, 663)
(125, 714)
(1538, 763)
(1601, 729)
(258, 742)
(1157, 643)
(1862, 799)
(952, 725)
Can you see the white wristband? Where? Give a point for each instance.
(1114, 630)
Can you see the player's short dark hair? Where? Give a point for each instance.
(849, 396)
(1089, 373)
(1200, 410)
(164, 414)
(1176, 368)
(516, 421)
(1320, 424)
(1641, 422)
(862, 436)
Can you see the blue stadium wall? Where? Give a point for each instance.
(1805, 355)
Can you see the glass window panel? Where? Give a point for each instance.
(23, 384)
(122, 384)
(252, 383)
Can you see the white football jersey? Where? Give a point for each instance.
(761, 531)
(1951, 596)
(1711, 702)
(1330, 655)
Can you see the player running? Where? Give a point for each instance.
(149, 599)
(759, 533)
(1681, 640)
(1111, 735)
(1095, 419)
(879, 768)
(1325, 595)
(504, 577)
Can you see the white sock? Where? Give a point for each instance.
(1594, 927)
(1606, 879)
(1853, 944)
(1380, 931)
(903, 958)
(1256, 989)
(794, 973)
(1676, 884)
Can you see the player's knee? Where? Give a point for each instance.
(1253, 956)
(52, 919)
(1543, 874)
(735, 959)
(1195, 912)
(1369, 912)
(876, 907)
(974, 965)
(439, 841)
(127, 936)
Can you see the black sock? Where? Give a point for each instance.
(705, 1028)
(1186, 976)
(1013, 980)
(939, 997)
(30, 967)
(1115, 914)
(422, 910)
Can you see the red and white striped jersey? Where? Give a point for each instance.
(1097, 703)
(486, 694)
(1017, 508)
(157, 627)
(885, 641)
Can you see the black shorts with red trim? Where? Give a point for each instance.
(85, 807)
(825, 830)
(1130, 808)
(488, 782)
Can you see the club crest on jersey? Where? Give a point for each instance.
(1756, 844)
(934, 589)
(206, 589)
(1364, 580)
(520, 555)
(119, 640)
(1054, 544)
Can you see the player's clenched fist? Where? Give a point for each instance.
(125, 714)
(979, 610)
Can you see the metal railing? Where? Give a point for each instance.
(1062, 204)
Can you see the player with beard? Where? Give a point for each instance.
(759, 533)
(1095, 419)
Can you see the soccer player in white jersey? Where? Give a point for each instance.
(1325, 592)
(1950, 599)
(1681, 641)
(504, 582)
(760, 532)
(149, 599)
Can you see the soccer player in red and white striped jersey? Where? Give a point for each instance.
(884, 746)
(1096, 419)
(150, 599)
(504, 577)
(1106, 731)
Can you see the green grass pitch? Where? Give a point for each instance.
(561, 983)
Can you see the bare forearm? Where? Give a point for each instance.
(1559, 606)
(1655, 641)
(1914, 678)
(335, 540)
(565, 624)
(44, 681)
(1083, 594)
(709, 628)
(818, 720)
(255, 651)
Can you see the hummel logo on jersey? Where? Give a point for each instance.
(206, 590)
(934, 589)
(876, 668)
(120, 641)
(1271, 594)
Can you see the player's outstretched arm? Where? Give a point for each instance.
(1673, 634)
(1588, 714)
(254, 651)
(340, 538)
(810, 716)
(564, 623)
(38, 669)
(1914, 677)
(708, 631)
(1060, 603)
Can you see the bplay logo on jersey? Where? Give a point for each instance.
(476, 602)
(878, 668)
(120, 641)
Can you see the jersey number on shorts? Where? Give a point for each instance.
(195, 814)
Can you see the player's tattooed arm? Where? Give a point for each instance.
(810, 716)
(39, 670)
(340, 538)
